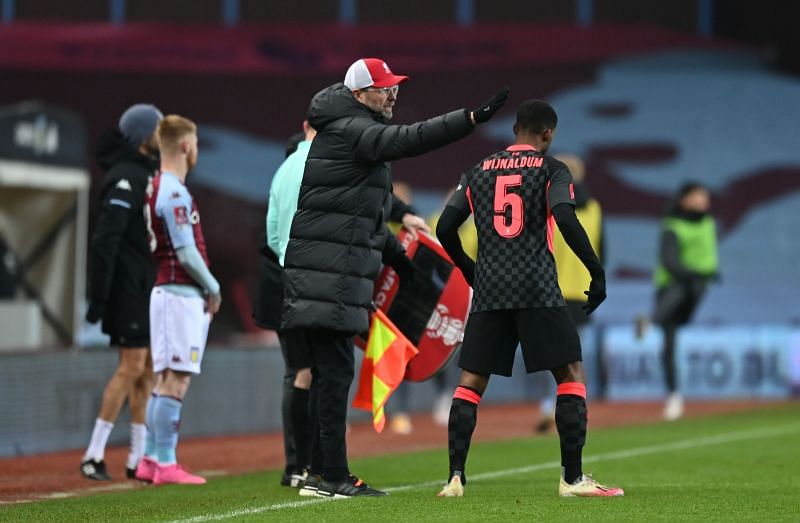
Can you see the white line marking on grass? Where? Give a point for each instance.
(253, 510)
(72, 493)
(685, 444)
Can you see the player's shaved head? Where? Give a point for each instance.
(536, 116)
(172, 130)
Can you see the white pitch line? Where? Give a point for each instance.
(91, 490)
(253, 510)
(609, 456)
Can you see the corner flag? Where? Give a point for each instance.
(388, 352)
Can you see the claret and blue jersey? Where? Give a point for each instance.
(173, 222)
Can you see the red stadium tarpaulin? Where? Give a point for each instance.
(318, 49)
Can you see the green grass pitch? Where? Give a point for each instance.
(723, 468)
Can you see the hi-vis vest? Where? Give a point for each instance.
(697, 241)
(573, 278)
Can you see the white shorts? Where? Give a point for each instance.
(178, 331)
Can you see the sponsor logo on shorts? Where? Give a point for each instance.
(176, 359)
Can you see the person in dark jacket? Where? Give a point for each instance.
(121, 279)
(339, 239)
(688, 261)
(295, 409)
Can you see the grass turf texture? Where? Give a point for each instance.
(733, 467)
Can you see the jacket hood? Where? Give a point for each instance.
(113, 149)
(335, 102)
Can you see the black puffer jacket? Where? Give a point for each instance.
(339, 235)
(123, 270)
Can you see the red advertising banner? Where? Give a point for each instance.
(316, 49)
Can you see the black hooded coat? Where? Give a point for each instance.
(122, 267)
(339, 236)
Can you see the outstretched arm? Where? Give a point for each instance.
(382, 143)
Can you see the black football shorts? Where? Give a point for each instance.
(548, 337)
(138, 342)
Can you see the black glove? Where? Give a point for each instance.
(95, 312)
(596, 295)
(485, 112)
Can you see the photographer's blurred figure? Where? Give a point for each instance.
(687, 262)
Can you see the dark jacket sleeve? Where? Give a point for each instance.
(392, 249)
(399, 209)
(377, 142)
(447, 232)
(120, 202)
(575, 236)
(670, 257)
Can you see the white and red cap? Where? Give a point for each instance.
(371, 72)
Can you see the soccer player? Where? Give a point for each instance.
(183, 300)
(514, 195)
(121, 279)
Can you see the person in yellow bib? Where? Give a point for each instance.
(573, 278)
(688, 261)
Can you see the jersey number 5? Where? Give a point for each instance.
(504, 199)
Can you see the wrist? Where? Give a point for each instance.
(213, 289)
(598, 274)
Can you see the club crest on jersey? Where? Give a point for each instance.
(124, 184)
(181, 216)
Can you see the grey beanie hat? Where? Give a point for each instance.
(139, 122)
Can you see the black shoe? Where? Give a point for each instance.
(96, 470)
(310, 486)
(130, 473)
(347, 488)
(294, 479)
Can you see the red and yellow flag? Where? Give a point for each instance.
(388, 352)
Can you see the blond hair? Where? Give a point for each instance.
(171, 130)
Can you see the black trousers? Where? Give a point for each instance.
(289, 447)
(332, 368)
